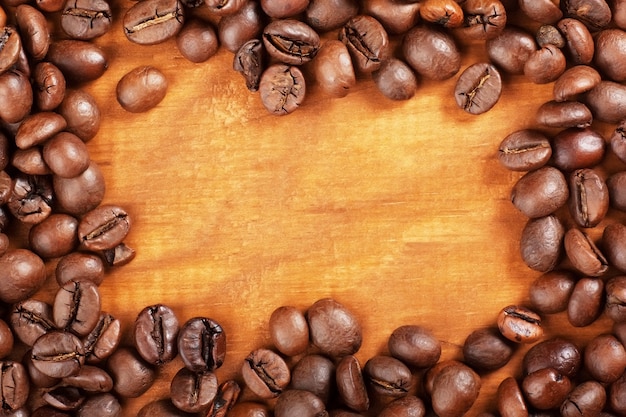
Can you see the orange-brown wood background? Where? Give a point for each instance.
(399, 210)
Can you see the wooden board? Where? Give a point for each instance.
(399, 210)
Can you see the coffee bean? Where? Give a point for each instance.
(614, 244)
(6, 339)
(575, 81)
(543, 11)
(510, 399)
(193, 392)
(266, 374)
(202, 344)
(79, 265)
(616, 298)
(17, 93)
(609, 55)
(409, 405)
(280, 10)
(483, 19)
(30, 161)
(31, 319)
(546, 388)
(395, 79)
(249, 61)
(282, 89)
(351, 384)
(616, 396)
(141, 89)
(31, 198)
(163, 407)
(596, 14)
(442, 12)
(589, 198)
(520, 324)
(585, 303)
(33, 27)
(197, 41)
(314, 373)
(81, 194)
(415, 346)
(396, 17)
(584, 254)
(327, 15)
(237, 29)
(227, 396)
(218, 7)
(155, 334)
(455, 387)
(103, 227)
(510, 50)
(80, 110)
(606, 101)
(22, 274)
(524, 150)
(587, 398)
(545, 65)
(557, 353)
(540, 193)
(367, 42)
(249, 409)
(66, 155)
(103, 405)
(289, 330)
(76, 307)
(86, 19)
(154, 21)
(299, 403)
(80, 61)
(120, 255)
(431, 52)
(10, 45)
(90, 379)
(617, 142)
(291, 41)
(333, 70)
(37, 128)
(333, 328)
(478, 88)
(58, 354)
(541, 243)
(387, 376)
(578, 41)
(575, 148)
(103, 340)
(605, 358)
(487, 349)
(549, 35)
(55, 236)
(14, 388)
(132, 376)
(564, 114)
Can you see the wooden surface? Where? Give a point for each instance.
(399, 210)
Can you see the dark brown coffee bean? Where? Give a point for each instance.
(605, 358)
(132, 376)
(510, 399)
(589, 197)
(478, 88)
(314, 373)
(163, 407)
(596, 14)
(80, 110)
(610, 53)
(4, 243)
(280, 10)
(289, 330)
(31, 198)
(58, 354)
(455, 388)
(333, 328)
(227, 396)
(76, 307)
(387, 376)
(266, 374)
(545, 65)
(155, 334)
(483, 19)
(31, 319)
(30, 161)
(103, 340)
(543, 11)
(49, 411)
(431, 52)
(606, 101)
(193, 392)
(37, 128)
(249, 409)
(578, 40)
(575, 148)
(141, 89)
(616, 298)
(10, 45)
(395, 79)
(614, 243)
(326, 15)
(351, 384)
(6, 339)
(55, 236)
(197, 40)
(446, 13)
(487, 349)
(587, 399)
(90, 379)
(584, 254)
(557, 353)
(103, 227)
(4, 151)
(616, 397)
(80, 194)
(299, 403)
(520, 324)
(86, 19)
(79, 265)
(585, 303)
(549, 35)
(237, 29)
(80, 61)
(367, 42)
(409, 405)
(217, 7)
(575, 81)
(415, 346)
(14, 388)
(524, 150)
(541, 243)
(396, 17)
(66, 155)
(17, 93)
(291, 41)
(540, 192)
(154, 21)
(48, 86)
(33, 27)
(617, 142)
(510, 50)
(202, 344)
(282, 89)
(36, 377)
(104, 405)
(564, 114)
(249, 61)
(119, 255)
(22, 273)
(546, 388)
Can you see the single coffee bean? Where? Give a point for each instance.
(154, 21)
(80, 61)
(610, 53)
(6, 339)
(193, 392)
(197, 41)
(22, 274)
(66, 155)
(217, 7)
(578, 40)
(395, 79)
(299, 403)
(31, 198)
(280, 10)
(605, 358)
(30, 161)
(266, 374)
(36, 377)
(227, 396)
(543, 11)
(79, 265)
(409, 405)
(103, 405)
(249, 409)
(80, 110)
(483, 19)
(291, 41)
(614, 244)
(415, 346)
(510, 399)
(546, 388)
(575, 148)
(589, 197)
(103, 340)
(4, 243)
(38, 128)
(520, 324)
(446, 13)
(618, 142)
(333, 328)
(4, 152)
(86, 19)
(616, 396)
(564, 114)
(55, 236)
(541, 243)
(249, 61)
(557, 353)
(237, 29)
(431, 52)
(14, 385)
(396, 17)
(30, 319)
(510, 50)
(90, 379)
(289, 330)
(367, 42)
(33, 27)
(351, 384)
(387, 376)
(575, 81)
(585, 303)
(17, 93)
(616, 298)
(596, 14)
(478, 88)
(282, 89)
(487, 349)
(81, 194)
(58, 354)
(48, 86)
(132, 376)
(333, 70)
(202, 344)
(455, 387)
(524, 150)
(10, 45)
(141, 89)
(64, 398)
(545, 65)
(120, 255)
(584, 254)
(540, 193)
(164, 408)
(103, 227)
(587, 398)
(316, 374)
(76, 307)
(606, 101)
(327, 15)
(155, 334)
(549, 35)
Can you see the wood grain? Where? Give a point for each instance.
(399, 210)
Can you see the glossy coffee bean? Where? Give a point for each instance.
(280, 10)
(299, 403)
(540, 193)
(202, 344)
(34, 30)
(14, 388)
(314, 373)
(197, 41)
(564, 114)
(141, 89)
(541, 243)
(579, 43)
(31, 198)
(415, 346)
(546, 388)
(120, 255)
(81, 194)
(31, 319)
(585, 303)
(132, 376)
(605, 358)
(455, 388)
(614, 245)
(333, 328)
(103, 227)
(395, 79)
(30, 161)
(55, 236)
(86, 19)
(617, 141)
(80, 61)
(162, 407)
(543, 11)
(367, 42)
(616, 298)
(58, 354)
(483, 19)
(333, 70)
(606, 101)
(6, 339)
(510, 50)
(396, 17)
(326, 15)
(90, 379)
(103, 340)
(431, 52)
(575, 148)
(596, 14)
(66, 155)
(10, 49)
(520, 324)
(289, 330)
(37, 128)
(409, 405)
(80, 110)
(351, 384)
(615, 398)
(249, 61)
(584, 254)
(227, 395)
(104, 405)
(37, 378)
(266, 374)
(587, 398)
(79, 265)
(447, 13)
(249, 409)
(193, 392)
(486, 349)
(237, 29)
(154, 21)
(510, 399)
(609, 56)
(478, 88)
(282, 89)
(22, 273)
(155, 334)
(524, 150)
(76, 307)
(387, 376)
(589, 198)
(557, 353)
(575, 81)
(545, 65)
(548, 34)
(16, 91)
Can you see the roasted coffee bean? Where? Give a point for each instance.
(606, 101)
(161, 408)
(333, 70)
(55, 236)
(454, 388)
(202, 344)
(154, 21)
(478, 88)
(596, 14)
(564, 114)
(483, 19)
(616, 397)
(578, 40)
(584, 254)
(103, 405)
(280, 10)
(197, 41)
(217, 7)
(31, 319)
(510, 50)
(415, 346)
(86, 19)
(487, 349)
(10, 45)
(289, 330)
(605, 358)
(141, 89)
(80, 61)
(431, 52)
(446, 13)
(367, 42)
(155, 334)
(6, 339)
(282, 89)
(314, 373)
(90, 379)
(387, 376)
(327, 15)
(119, 255)
(22, 273)
(351, 384)
(76, 307)
(395, 79)
(33, 27)
(81, 194)
(103, 340)
(4, 152)
(48, 86)
(49, 411)
(333, 328)
(78, 266)
(249, 409)
(587, 399)
(610, 53)
(64, 398)
(14, 387)
(575, 81)
(103, 227)
(585, 303)
(589, 198)
(193, 392)
(4, 243)
(557, 353)
(540, 192)
(31, 198)
(524, 150)
(549, 35)
(616, 298)
(58, 354)
(575, 148)
(541, 243)
(37, 378)
(265, 373)
(543, 11)
(396, 17)
(237, 29)
(614, 244)
(546, 388)
(520, 324)
(299, 403)
(30, 161)
(227, 396)
(39, 127)
(80, 110)
(66, 155)
(545, 65)
(617, 142)
(291, 41)
(249, 61)
(510, 399)
(132, 376)
(409, 405)
(17, 93)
